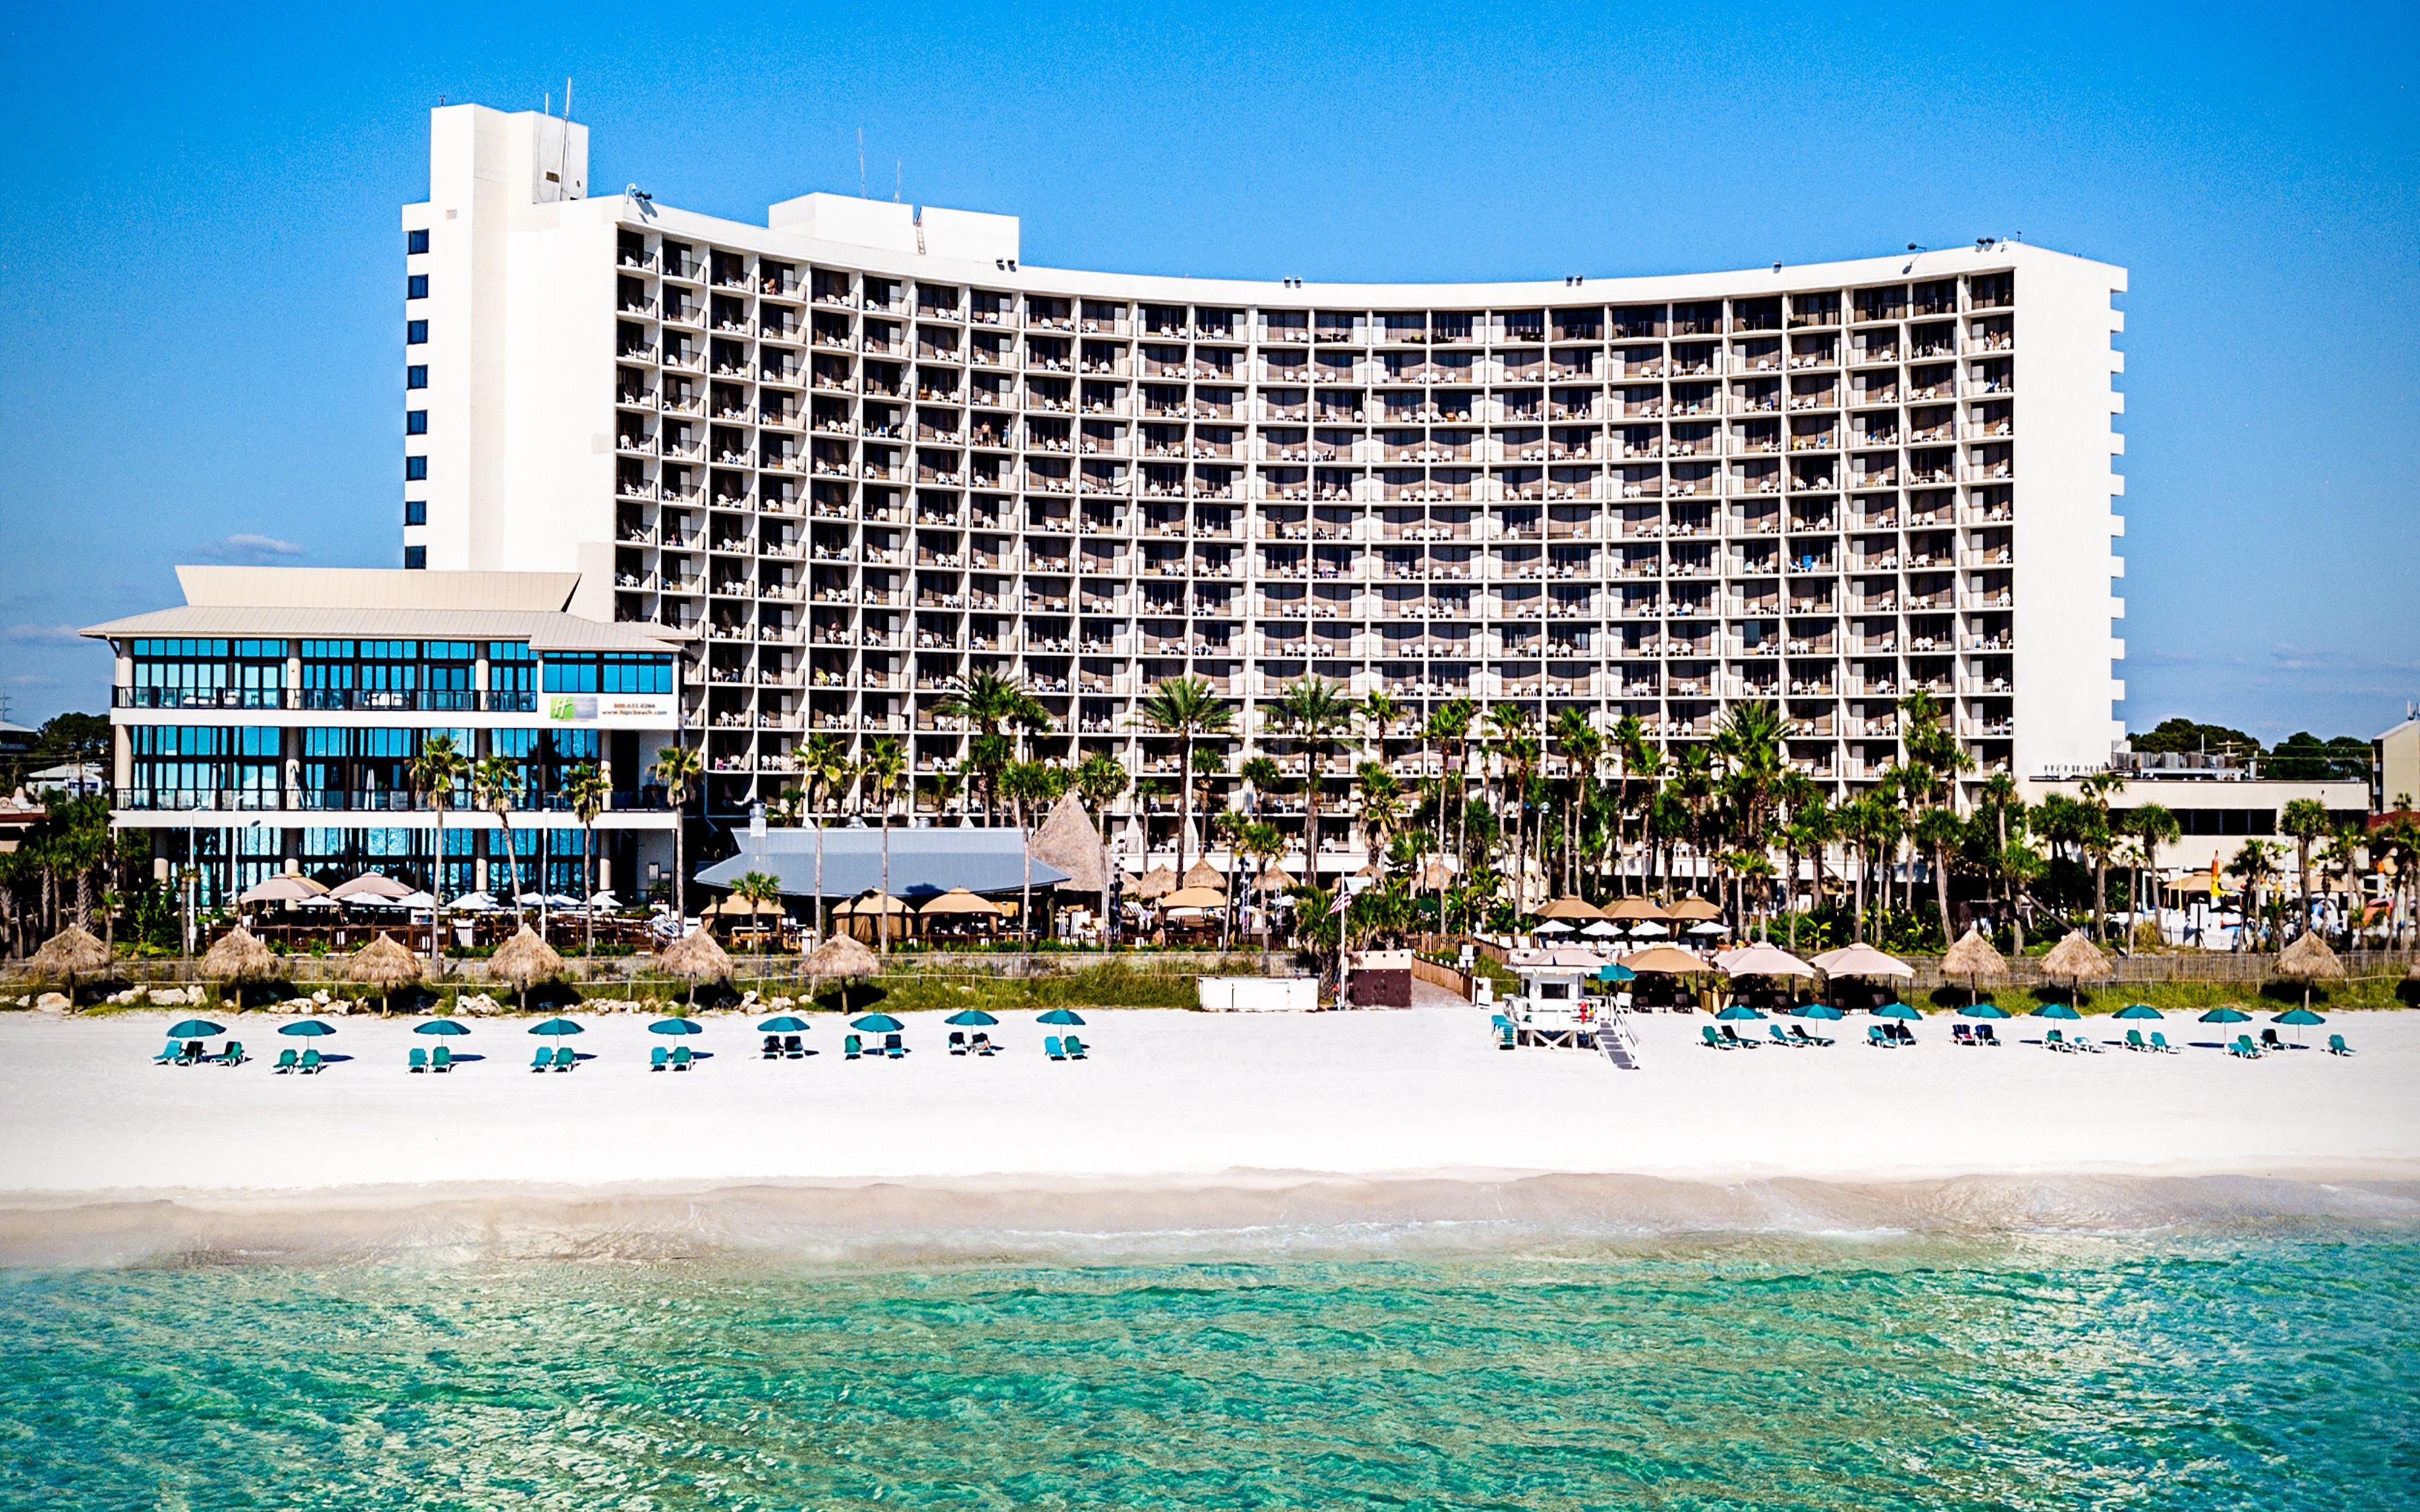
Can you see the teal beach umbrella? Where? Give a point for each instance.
(1737, 1012)
(785, 1025)
(308, 1028)
(2299, 1018)
(878, 1024)
(2055, 1010)
(1817, 1010)
(440, 1027)
(1062, 1015)
(1897, 1011)
(195, 1029)
(2227, 1016)
(2137, 1010)
(1615, 971)
(557, 1027)
(1982, 1011)
(972, 1017)
(676, 1026)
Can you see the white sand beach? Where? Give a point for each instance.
(1174, 1097)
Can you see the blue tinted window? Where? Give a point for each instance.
(415, 511)
(415, 557)
(415, 422)
(415, 468)
(415, 332)
(415, 241)
(416, 286)
(415, 376)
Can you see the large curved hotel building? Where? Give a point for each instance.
(862, 450)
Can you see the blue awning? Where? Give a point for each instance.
(924, 863)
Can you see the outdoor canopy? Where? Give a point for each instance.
(1861, 960)
(1762, 961)
(1669, 961)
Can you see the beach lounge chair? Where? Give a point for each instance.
(1712, 1040)
(192, 1055)
(2337, 1047)
(2269, 1041)
(1798, 1034)
(419, 1059)
(1960, 1034)
(772, 1047)
(1779, 1038)
(2077, 1042)
(852, 1047)
(892, 1047)
(683, 1058)
(2135, 1040)
(441, 1060)
(2053, 1040)
(957, 1042)
(544, 1060)
(1900, 1032)
(1050, 1047)
(1874, 1035)
(233, 1054)
(1730, 1036)
(564, 1058)
(285, 1061)
(981, 1045)
(311, 1063)
(2244, 1048)
(659, 1057)
(168, 1056)
(2159, 1043)
(793, 1048)
(1075, 1048)
(1983, 1035)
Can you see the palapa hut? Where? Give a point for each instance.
(1156, 883)
(1433, 877)
(70, 953)
(2077, 959)
(1634, 910)
(239, 957)
(2309, 959)
(1068, 842)
(1276, 881)
(837, 960)
(385, 965)
(1571, 910)
(524, 961)
(1693, 911)
(1974, 959)
(695, 958)
(1669, 961)
(1202, 874)
(1186, 898)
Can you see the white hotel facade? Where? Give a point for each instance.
(859, 452)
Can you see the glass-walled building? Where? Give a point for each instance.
(271, 724)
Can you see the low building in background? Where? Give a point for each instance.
(269, 724)
(2394, 768)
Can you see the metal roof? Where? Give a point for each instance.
(924, 863)
(224, 587)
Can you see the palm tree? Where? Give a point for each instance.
(988, 701)
(2305, 821)
(1812, 829)
(2255, 863)
(678, 769)
(879, 777)
(493, 781)
(1384, 713)
(436, 772)
(1578, 744)
(2099, 839)
(1101, 778)
(1382, 810)
(2152, 826)
(1938, 832)
(1448, 727)
(1186, 709)
(1264, 844)
(1636, 758)
(825, 763)
(1028, 785)
(756, 889)
(1317, 718)
(1521, 751)
(588, 790)
(1692, 786)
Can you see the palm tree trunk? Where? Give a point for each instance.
(588, 883)
(1025, 889)
(1941, 891)
(882, 928)
(1184, 804)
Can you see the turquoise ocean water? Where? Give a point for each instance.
(2184, 1372)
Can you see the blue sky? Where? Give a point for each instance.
(200, 275)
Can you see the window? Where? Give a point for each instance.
(415, 422)
(415, 376)
(415, 511)
(415, 241)
(416, 286)
(613, 672)
(415, 558)
(415, 332)
(415, 469)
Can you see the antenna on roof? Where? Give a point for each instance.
(861, 162)
(898, 179)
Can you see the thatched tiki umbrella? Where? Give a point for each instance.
(695, 958)
(239, 957)
(837, 959)
(1068, 842)
(2076, 958)
(525, 960)
(1974, 959)
(385, 965)
(70, 953)
(2309, 959)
